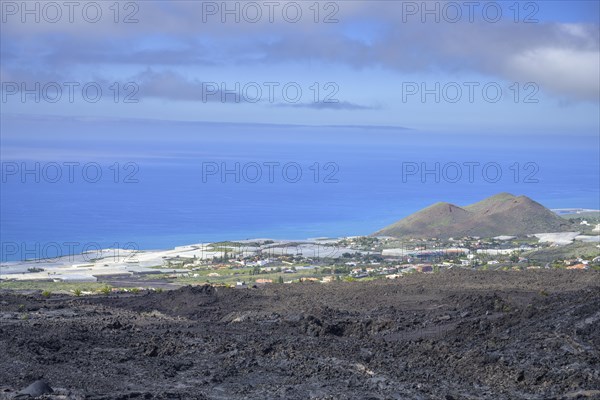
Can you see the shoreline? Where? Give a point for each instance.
(93, 266)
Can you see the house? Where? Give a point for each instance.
(241, 285)
(310, 280)
(263, 281)
(388, 271)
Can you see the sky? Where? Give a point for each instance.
(447, 66)
(359, 87)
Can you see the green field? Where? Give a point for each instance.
(52, 286)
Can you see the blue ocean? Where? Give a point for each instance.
(151, 185)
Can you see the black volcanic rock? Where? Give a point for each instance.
(502, 214)
(486, 335)
(36, 389)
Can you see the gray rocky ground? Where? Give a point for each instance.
(451, 335)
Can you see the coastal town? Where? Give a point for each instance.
(259, 262)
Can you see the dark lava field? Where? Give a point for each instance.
(450, 335)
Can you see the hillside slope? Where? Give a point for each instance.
(502, 214)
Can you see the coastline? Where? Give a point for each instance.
(114, 262)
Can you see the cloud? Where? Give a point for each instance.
(566, 72)
(561, 58)
(173, 86)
